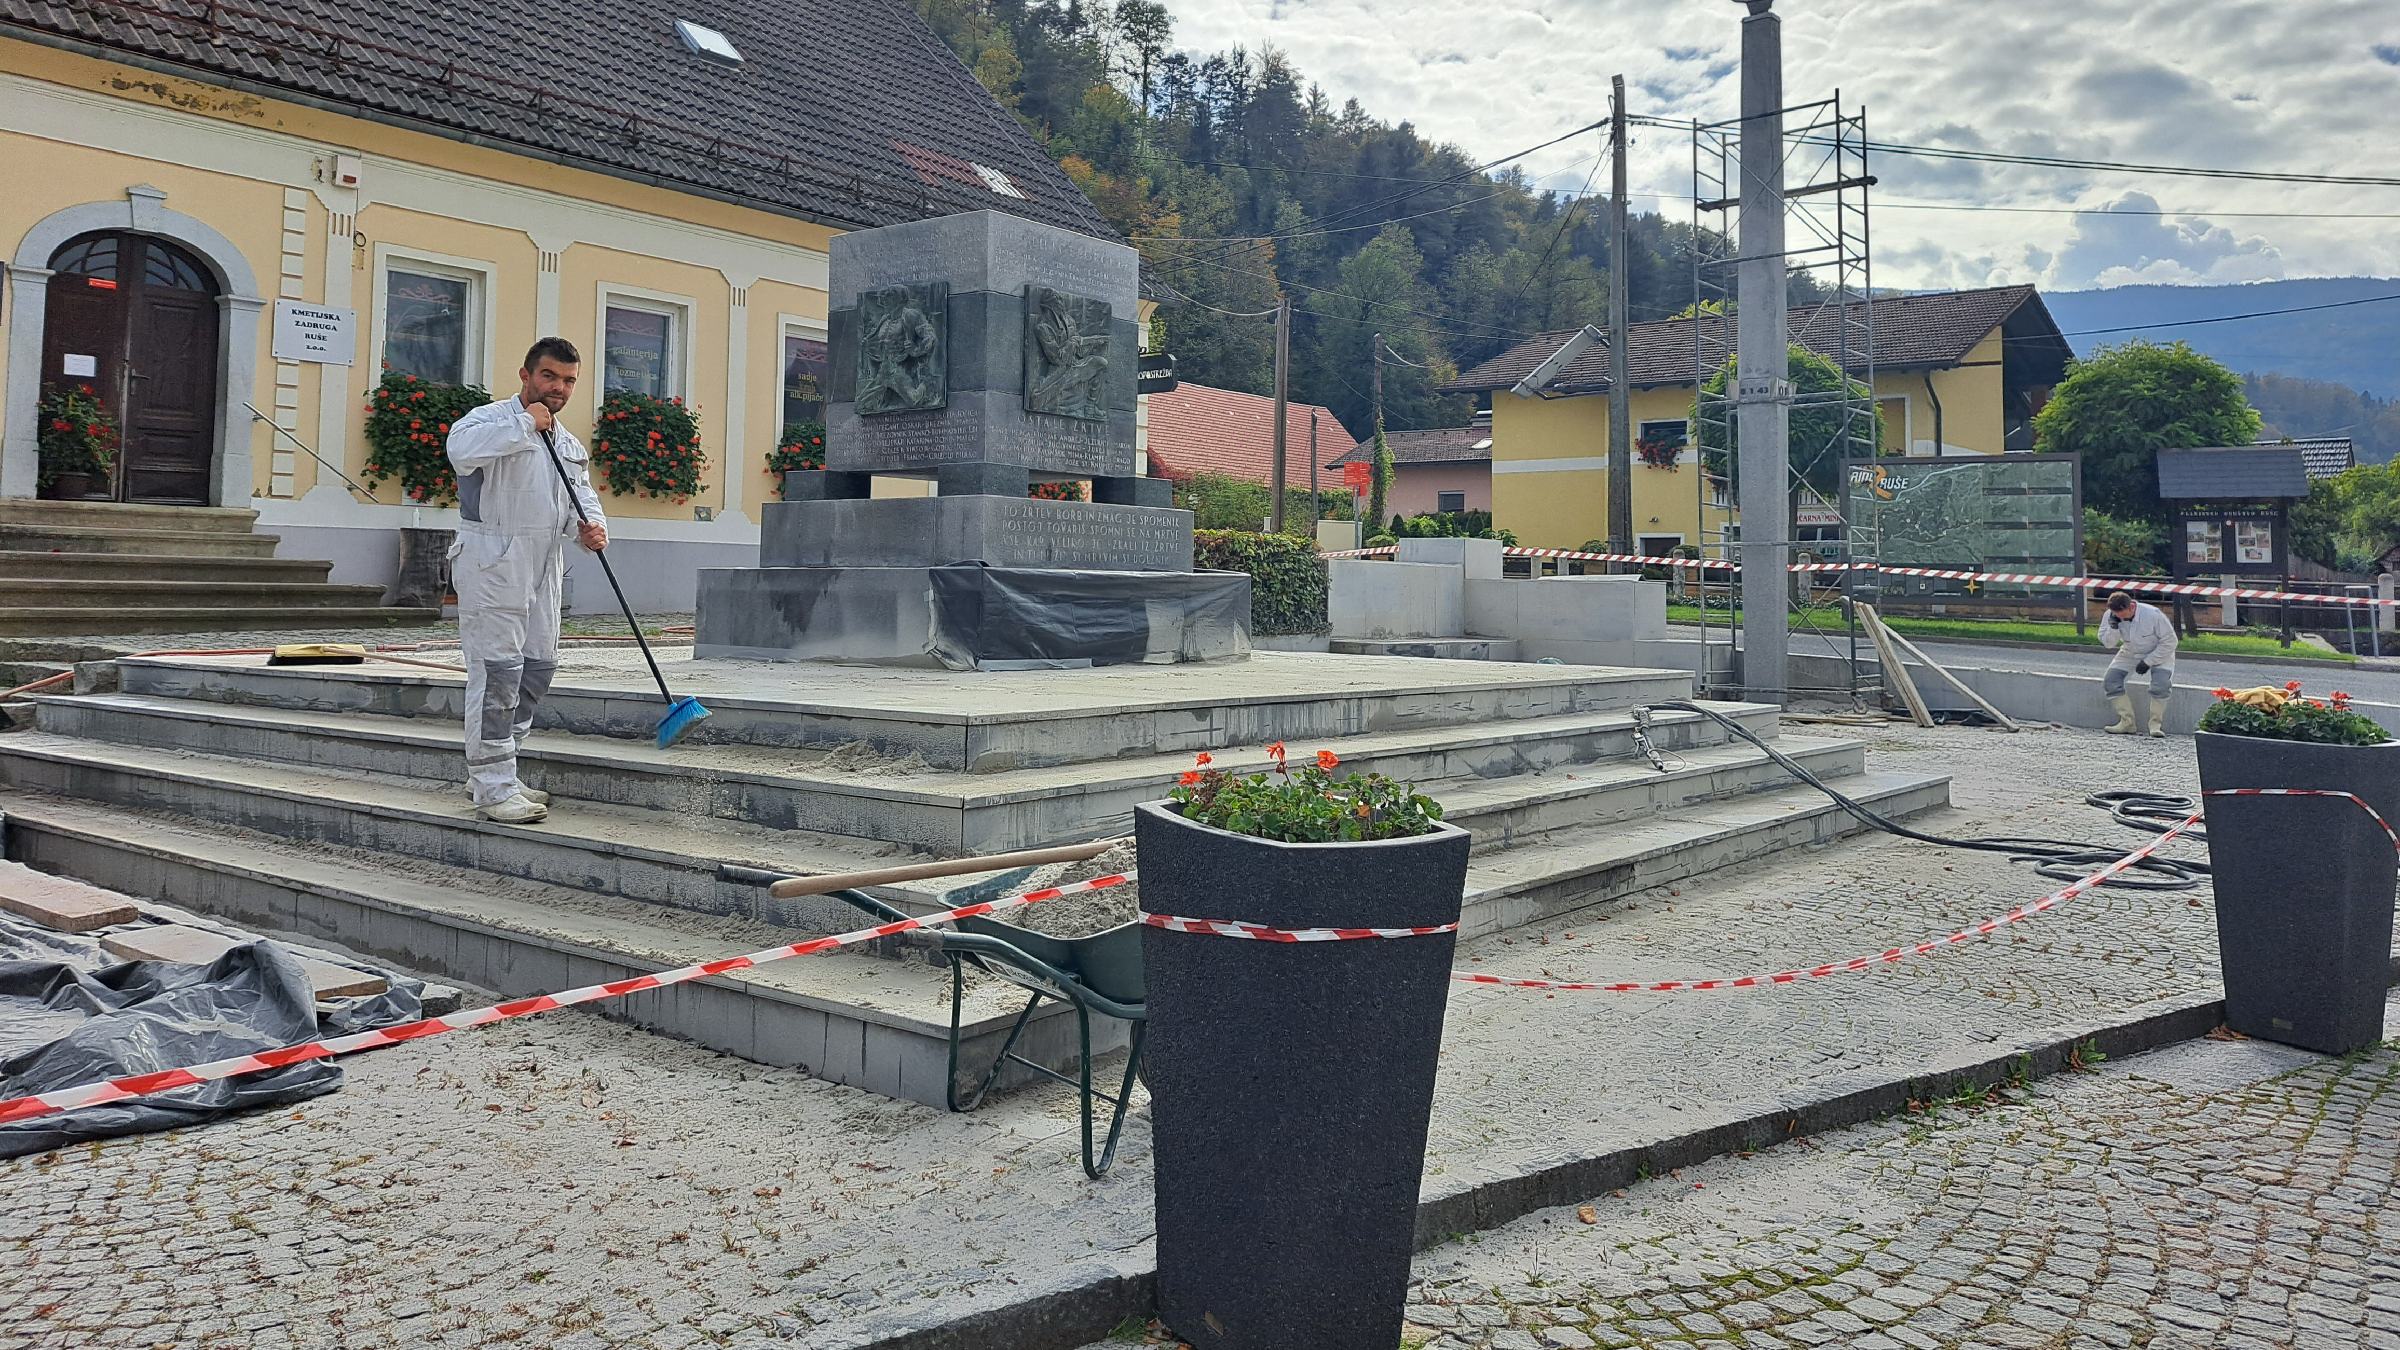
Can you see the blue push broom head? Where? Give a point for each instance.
(682, 715)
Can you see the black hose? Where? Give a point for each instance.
(2061, 859)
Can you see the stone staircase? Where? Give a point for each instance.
(325, 801)
(83, 568)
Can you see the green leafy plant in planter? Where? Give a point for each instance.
(1059, 492)
(408, 433)
(2285, 715)
(78, 436)
(1310, 806)
(646, 446)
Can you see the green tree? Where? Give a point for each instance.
(1822, 435)
(2127, 403)
(1383, 477)
(2121, 548)
(2316, 523)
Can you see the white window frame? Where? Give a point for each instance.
(682, 347)
(1684, 422)
(483, 282)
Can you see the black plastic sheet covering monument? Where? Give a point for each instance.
(71, 1014)
(998, 617)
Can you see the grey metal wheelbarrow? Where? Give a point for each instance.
(1100, 973)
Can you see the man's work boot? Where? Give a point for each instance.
(2123, 703)
(2158, 715)
(529, 794)
(515, 810)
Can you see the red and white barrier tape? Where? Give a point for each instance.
(1895, 955)
(166, 1080)
(1235, 929)
(2146, 586)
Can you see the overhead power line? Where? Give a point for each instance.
(2222, 318)
(2088, 165)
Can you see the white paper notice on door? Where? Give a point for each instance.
(86, 366)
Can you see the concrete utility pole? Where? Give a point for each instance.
(1620, 358)
(1316, 499)
(1374, 459)
(1283, 398)
(1762, 387)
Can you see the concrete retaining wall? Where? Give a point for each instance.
(2076, 701)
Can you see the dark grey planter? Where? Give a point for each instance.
(2304, 888)
(1291, 1084)
(424, 568)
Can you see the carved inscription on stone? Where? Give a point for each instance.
(1066, 354)
(1069, 536)
(903, 348)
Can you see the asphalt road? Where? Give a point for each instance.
(2374, 686)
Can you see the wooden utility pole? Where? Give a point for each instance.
(1375, 456)
(1620, 358)
(1283, 398)
(1316, 501)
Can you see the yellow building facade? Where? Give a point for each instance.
(1966, 372)
(257, 218)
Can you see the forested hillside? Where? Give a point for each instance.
(1240, 181)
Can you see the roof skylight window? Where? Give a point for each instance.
(707, 41)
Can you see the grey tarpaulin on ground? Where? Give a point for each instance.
(1019, 617)
(70, 1014)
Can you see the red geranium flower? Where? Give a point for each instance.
(1204, 759)
(1326, 759)
(2291, 686)
(2222, 693)
(1191, 778)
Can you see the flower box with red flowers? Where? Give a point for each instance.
(77, 441)
(408, 435)
(646, 446)
(1659, 454)
(2304, 876)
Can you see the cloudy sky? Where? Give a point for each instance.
(2287, 85)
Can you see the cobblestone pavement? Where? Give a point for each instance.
(566, 1181)
(2209, 1196)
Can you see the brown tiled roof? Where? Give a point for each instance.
(848, 112)
(1197, 429)
(1439, 445)
(1912, 332)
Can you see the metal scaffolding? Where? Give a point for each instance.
(1824, 195)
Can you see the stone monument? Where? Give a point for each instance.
(987, 354)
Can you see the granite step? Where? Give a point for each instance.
(41, 537)
(118, 619)
(985, 723)
(881, 1025)
(230, 520)
(947, 811)
(70, 592)
(191, 567)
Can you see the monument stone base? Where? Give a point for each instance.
(971, 617)
(1002, 531)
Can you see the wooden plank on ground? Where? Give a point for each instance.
(1894, 672)
(61, 903)
(198, 947)
(1901, 639)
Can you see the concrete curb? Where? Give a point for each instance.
(1069, 1318)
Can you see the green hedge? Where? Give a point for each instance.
(1287, 578)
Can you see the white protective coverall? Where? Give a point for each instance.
(514, 520)
(2146, 638)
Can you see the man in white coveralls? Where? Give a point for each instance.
(514, 519)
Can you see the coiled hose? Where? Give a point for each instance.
(2061, 859)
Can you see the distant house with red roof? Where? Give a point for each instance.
(1194, 429)
(1436, 469)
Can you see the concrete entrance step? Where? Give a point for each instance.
(202, 567)
(81, 592)
(165, 540)
(948, 811)
(662, 858)
(986, 722)
(126, 515)
(113, 619)
(1569, 870)
(876, 1024)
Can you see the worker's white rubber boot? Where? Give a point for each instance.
(2123, 703)
(2158, 715)
(529, 794)
(515, 810)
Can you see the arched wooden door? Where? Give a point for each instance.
(136, 319)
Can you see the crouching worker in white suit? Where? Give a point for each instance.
(2143, 638)
(514, 520)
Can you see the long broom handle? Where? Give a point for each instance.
(665, 695)
(885, 876)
